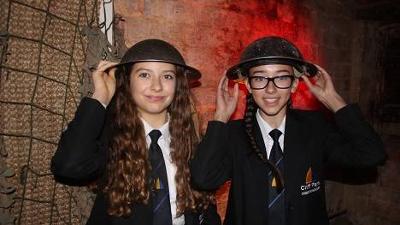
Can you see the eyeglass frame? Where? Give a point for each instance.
(291, 76)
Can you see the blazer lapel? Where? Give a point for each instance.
(295, 154)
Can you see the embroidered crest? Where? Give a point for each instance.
(273, 183)
(312, 184)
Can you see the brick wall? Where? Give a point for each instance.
(211, 34)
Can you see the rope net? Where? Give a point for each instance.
(41, 56)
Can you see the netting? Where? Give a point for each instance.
(42, 52)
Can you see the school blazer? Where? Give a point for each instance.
(310, 144)
(80, 159)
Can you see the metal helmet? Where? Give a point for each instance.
(271, 50)
(155, 50)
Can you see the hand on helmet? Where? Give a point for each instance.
(324, 90)
(104, 82)
(226, 100)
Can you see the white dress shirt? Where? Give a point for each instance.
(164, 143)
(266, 128)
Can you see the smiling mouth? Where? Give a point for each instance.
(155, 98)
(271, 100)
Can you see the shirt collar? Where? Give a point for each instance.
(164, 129)
(266, 128)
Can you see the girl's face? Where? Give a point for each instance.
(272, 100)
(153, 87)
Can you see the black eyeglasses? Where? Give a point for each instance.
(260, 82)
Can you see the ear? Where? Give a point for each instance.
(246, 82)
(294, 85)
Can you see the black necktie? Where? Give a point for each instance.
(276, 198)
(161, 204)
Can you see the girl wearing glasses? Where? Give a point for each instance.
(275, 156)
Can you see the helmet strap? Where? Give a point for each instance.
(297, 73)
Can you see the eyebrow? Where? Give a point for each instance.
(172, 71)
(140, 68)
(263, 71)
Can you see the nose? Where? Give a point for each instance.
(270, 87)
(156, 84)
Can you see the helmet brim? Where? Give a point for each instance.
(191, 72)
(241, 69)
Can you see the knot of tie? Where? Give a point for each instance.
(154, 135)
(275, 134)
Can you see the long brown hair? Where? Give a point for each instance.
(128, 167)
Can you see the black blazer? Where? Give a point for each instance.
(81, 158)
(310, 144)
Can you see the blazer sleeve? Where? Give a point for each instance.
(212, 162)
(353, 142)
(80, 157)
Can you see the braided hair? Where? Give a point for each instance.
(251, 109)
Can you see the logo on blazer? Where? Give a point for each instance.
(311, 185)
(157, 184)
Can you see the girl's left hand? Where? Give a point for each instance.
(324, 90)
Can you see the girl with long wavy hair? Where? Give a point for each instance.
(135, 136)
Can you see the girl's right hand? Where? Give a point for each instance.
(226, 100)
(104, 82)
(324, 90)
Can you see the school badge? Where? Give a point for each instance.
(157, 184)
(311, 185)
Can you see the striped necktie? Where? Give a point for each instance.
(160, 193)
(276, 208)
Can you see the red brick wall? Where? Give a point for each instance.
(211, 34)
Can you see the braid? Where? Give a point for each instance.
(251, 109)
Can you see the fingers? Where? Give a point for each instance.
(307, 81)
(220, 90)
(236, 91)
(111, 72)
(222, 82)
(320, 68)
(103, 72)
(325, 75)
(105, 65)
